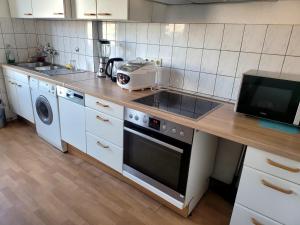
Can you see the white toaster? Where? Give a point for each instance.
(137, 76)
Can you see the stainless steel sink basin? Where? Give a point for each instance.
(44, 68)
(33, 65)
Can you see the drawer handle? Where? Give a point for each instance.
(102, 105)
(19, 85)
(104, 14)
(58, 13)
(102, 145)
(102, 119)
(90, 14)
(27, 14)
(255, 222)
(276, 164)
(272, 186)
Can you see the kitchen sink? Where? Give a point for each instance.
(45, 68)
(33, 64)
(48, 69)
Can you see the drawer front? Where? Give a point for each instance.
(273, 164)
(104, 126)
(105, 152)
(244, 216)
(270, 196)
(107, 107)
(16, 76)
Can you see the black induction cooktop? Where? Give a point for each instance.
(179, 103)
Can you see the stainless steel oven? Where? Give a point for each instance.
(157, 152)
(271, 96)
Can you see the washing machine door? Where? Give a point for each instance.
(44, 110)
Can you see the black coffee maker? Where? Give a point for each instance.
(111, 68)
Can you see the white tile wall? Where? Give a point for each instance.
(210, 59)
(75, 40)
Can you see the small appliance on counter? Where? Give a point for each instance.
(270, 96)
(112, 67)
(137, 75)
(104, 53)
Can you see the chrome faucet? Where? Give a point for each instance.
(50, 51)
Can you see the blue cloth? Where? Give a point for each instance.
(279, 127)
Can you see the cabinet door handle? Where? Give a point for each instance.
(272, 186)
(102, 119)
(104, 14)
(19, 85)
(90, 14)
(102, 105)
(58, 13)
(27, 14)
(255, 222)
(102, 145)
(278, 165)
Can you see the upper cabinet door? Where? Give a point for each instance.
(112, 9)
(85, 9)
(20, 8)
(48, 9)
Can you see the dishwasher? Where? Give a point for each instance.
(72, 117)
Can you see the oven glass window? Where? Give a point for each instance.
(161, 163)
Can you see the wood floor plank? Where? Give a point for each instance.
(40, 185)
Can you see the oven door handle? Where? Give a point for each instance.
(154, 140)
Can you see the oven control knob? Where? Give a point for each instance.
(136, 118)
(181, 133)
(130, 116)
(164, 127)
(174, 130)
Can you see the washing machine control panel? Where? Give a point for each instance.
(47, 87)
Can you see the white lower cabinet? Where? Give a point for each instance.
(244, 216)
(105, 152)
(268, 186)
(19, 95)
(104, 126)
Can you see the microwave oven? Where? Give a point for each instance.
(271, 96)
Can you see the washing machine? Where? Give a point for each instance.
(45, 106)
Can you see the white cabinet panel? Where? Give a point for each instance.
(25, 104)
(243, 216)
(105, 152)
(12, 94)
(85, 9)
(112, 9)
(72, 123)
(104, 126)
(49, 9)
(107, 107)
(270, 196)
(20, 8)
(273, 164)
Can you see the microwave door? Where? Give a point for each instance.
(269, 98)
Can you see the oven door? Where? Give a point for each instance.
(269, 98)
(158, 160)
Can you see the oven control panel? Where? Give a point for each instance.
(168, 128)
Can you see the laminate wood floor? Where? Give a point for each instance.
(40, 185)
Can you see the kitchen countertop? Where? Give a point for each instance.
(222, 122)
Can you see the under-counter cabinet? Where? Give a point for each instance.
(20, 8)
(19, 96)
(135, 10)
(104, 131)
(269, 190)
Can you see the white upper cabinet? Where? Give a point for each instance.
(134, 10)
(20, 8)
(51, 9)
(85, 9)
(112, 9)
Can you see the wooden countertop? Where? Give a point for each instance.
(223, 122)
